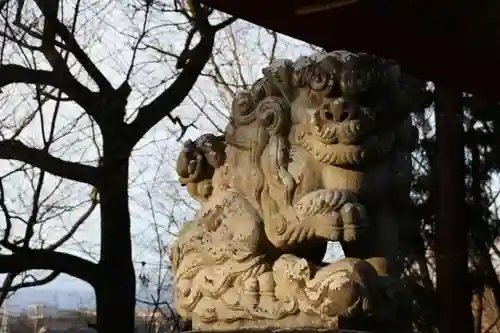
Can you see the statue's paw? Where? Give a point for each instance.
(299, 234)
(322, 202)
(327, 226)
(354, 220)
(331, 214)
(344, 225)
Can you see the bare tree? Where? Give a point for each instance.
(96, 127)
(39, 48)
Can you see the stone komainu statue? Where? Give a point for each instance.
(317, 150)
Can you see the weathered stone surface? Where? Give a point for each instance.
(316, 150)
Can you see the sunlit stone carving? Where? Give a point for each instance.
(317, 150)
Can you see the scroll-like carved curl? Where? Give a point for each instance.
(324, 81)
(244, 105)
(190, 163)
(242, 108)
(272, 113)
(263, 88)
(197, 162)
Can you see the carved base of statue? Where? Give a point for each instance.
(222, 284)
(300, 321)
(299, 299)
(310, 155)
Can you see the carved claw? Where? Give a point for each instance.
(299, 234)
(353, 219)
(331, 214)
(322, 202)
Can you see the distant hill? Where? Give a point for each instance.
(53, 298)
(63, 299)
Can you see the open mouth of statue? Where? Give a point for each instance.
(347, 132)
(361, 148)
(338, 122)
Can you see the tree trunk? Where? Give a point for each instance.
(453, 281)
(486, 299)
(115, 290)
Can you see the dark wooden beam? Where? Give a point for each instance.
(427, 38)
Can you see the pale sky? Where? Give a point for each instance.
(106, 30)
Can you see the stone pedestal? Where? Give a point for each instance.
(279, 330)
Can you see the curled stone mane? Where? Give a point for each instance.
(265, 102)
(268, 101)
(316, 150)
(261, 117)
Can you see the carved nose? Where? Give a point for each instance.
(336, 112)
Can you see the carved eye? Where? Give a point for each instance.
(326, 83)
(320, 80)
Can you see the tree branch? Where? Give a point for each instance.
(225, 23)
(28, 259)
(163, 105)
(16, 150)
(36, 282)
(192, 62)
(9, 287)
(6, 286)
(75, 90)
(56, 27)
(77, 224)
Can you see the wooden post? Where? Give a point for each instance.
(453, 285)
